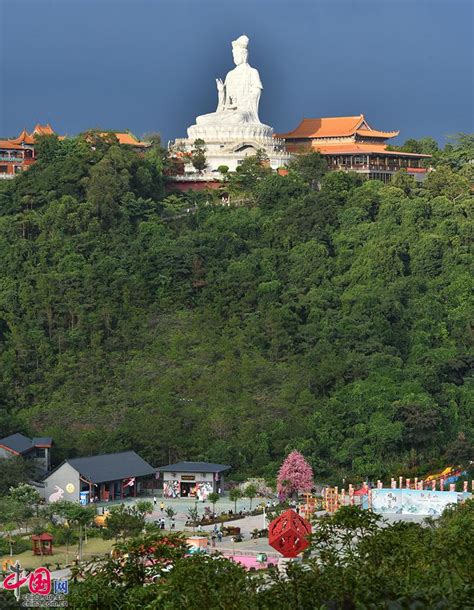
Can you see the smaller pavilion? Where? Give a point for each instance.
(42, 544)
(192, 479)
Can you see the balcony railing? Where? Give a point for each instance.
(367, 166)
(12, 159)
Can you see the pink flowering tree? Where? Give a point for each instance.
(295, 475)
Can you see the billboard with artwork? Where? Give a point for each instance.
(412, 501)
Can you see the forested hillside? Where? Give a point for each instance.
(335, 320)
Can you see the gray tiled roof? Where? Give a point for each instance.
(17, 442)
(111, 466)
(194, 467)
(42, 440)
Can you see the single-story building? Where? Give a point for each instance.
(106, 477)
(38, 450)
(192, 479)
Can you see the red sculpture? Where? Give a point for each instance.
(288, 533)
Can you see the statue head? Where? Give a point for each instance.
(240, 50)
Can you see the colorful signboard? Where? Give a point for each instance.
(84, 498)
(44, 591)
(412, 501)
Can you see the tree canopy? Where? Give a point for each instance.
(333, 320)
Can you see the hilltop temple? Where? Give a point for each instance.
(17, 154)
(234, 130)
(349, 143)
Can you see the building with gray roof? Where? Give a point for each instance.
(38, 450)
(192, 479)
(106, 477)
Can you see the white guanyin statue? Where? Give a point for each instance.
(238, 99)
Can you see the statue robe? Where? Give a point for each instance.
(239, 104)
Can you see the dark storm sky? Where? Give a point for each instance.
(150, 65)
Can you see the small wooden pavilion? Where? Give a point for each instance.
(42, 544)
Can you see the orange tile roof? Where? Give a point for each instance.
(43, 130)
(24, 137)
(334, 127)
(358, 148)
(29, 138)
(373, 133)
(125, 137)
(10, 145)
(325, 127)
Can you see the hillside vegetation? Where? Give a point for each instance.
(336, 321)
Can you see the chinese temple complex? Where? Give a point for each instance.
(18, 154)
(351, 144)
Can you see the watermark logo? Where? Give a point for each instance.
(39, 583)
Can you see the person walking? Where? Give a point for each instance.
(162, 506)
(154, 501)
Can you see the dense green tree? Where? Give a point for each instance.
(310, 167)
(326, 321)
(198, 155)
(14, 471)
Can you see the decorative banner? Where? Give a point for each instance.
(411, 501)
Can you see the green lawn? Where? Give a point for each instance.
(94, 546)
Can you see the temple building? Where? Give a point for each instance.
(351, 144)
(17, 154)
(127, 138)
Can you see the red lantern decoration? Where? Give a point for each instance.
(288, 533)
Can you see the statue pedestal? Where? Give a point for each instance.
(231, 151)
(219, 132)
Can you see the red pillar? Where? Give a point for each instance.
(113, 491)
(121, 490)
(135, 488)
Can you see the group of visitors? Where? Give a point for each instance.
(161, 523)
